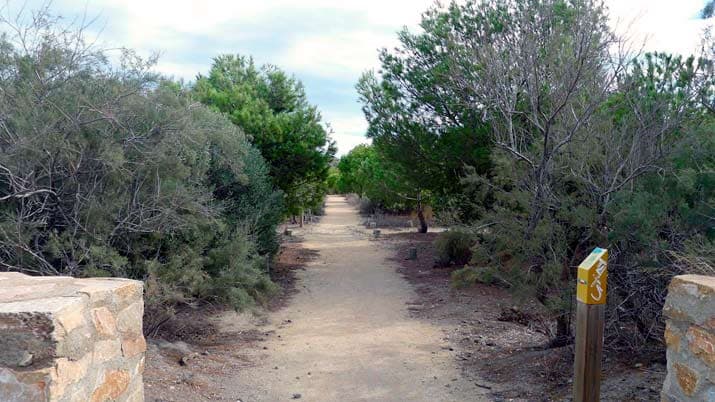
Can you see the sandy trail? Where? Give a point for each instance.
(350, 337)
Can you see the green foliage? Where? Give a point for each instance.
(453, 247)
(253, 205)
(108, 171)
(417, 120)
(468, 276)
(559, 146)
(333, 180)
(271, 108)
(365, 172)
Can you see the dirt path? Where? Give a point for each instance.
(347, 334)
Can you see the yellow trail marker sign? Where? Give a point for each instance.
(590, 314)
(592, 278)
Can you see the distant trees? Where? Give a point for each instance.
(561, 139)
(272, 109)
(365, 172)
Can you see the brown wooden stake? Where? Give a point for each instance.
(589, 349)
(590, 317)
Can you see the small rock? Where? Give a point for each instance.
(205, 353)
(265, 348)
(26, 359)
(296, 396)
(638, 365)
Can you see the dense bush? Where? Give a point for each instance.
(570, 144)
(453, 247)
(114, 171)
(363, 204)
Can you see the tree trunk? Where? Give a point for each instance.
(421, 214)
(423, 222)
(537, 201)
(535, 215)
(563, 331)
(302, 217)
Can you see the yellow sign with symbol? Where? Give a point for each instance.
(592, 278)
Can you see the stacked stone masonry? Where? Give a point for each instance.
(690, 337)
(67, 339)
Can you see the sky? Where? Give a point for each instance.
(326, 44)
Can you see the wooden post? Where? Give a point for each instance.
(590, 312)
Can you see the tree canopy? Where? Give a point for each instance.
(417, 118)
(272, 109)
(554, 139)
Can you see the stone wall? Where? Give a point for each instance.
(67, 339)
(690, 336)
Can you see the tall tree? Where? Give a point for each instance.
(417, 118)
(564, 122)
(272, 109)
(573, 122)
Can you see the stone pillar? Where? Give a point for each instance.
(690, 338)
(67, 339)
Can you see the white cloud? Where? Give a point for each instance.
(659, 25)
(344, 55)
(349, 130)
(329, 41)
(346, 142)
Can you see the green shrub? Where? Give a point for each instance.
(453, 247)
(465, 277)
(113, 171)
